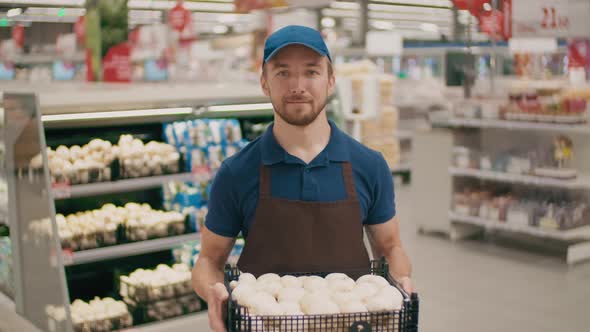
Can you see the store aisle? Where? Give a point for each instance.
(476, 287)
(473, 286)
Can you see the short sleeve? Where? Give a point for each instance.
(224, 216)
(382, 206)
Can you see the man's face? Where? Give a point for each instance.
(298, 83)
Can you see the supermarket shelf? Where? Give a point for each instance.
(403, 167)
(513, 125)
(48, 58)
(125, 250)
(91, 189)
(193, 322)
(581, 182)
(573, 234)
(404, 135)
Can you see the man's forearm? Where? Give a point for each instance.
(204, 275)
(399, 263)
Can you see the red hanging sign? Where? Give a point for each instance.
(492, 23)
(116, 65)
(18, 35)
(80, 29)
(578, 52)
(179, 17)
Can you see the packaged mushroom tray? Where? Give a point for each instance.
(161, 293)
(100, 161)
(111, 225)
(319, 302)
(98, 315)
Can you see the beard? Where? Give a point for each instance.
(300, 114)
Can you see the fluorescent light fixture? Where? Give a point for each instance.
(48, 11)
(487, 7)
(220, 29)
(75, 3)
(438, 3)
(195, 6)
(241, 107)
(14, 12)
(345, 5)
(328, 22)
(116, 114)
(382, 25)
(429, 27)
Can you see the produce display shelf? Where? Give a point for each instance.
(403, 167)
(91, 189)
(565, 235)
(129, 249)
(193, 322)
(514, 125)
(404, 135)
(581, 182)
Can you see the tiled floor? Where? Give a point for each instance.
(479, 287)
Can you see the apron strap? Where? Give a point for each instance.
(348, 180)
(264, 182)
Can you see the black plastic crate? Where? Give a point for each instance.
(404, 320)
(148, 312)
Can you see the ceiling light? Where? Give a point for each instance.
(14, 12)
(196, 6)
(382, 25)
(220, 29)
(328, 22)
(77, 3)
(345, 5)
(429, 27)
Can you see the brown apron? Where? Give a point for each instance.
(289, 236)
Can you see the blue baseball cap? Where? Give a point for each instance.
(295, 34)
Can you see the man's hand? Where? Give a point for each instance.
(406, 284)
(217, 302)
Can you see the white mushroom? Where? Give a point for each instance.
(290, 294)
(314, 283)
(290, 282)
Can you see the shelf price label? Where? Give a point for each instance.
(67, 256)
(61, 190)
(549, 18)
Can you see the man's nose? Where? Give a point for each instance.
(297, 85)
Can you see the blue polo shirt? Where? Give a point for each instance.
(234, 193)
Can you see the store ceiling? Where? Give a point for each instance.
(417, 19)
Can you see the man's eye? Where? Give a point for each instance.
(313, 72)
(283, 73)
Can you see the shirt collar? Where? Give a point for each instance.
(273, 153)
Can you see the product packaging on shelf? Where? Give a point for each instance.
(98, 315)
(205, 143)
(112, 225)
(159, 294)
(552, 211)
(100, 161)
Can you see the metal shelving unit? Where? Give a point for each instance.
(436, 176)
(581, 182)
(579, 233)
(128, 249)
(126, 185)
(513, 125)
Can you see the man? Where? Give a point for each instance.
(301, 193)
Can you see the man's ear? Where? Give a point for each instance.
(331, 84)
(264, 84)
